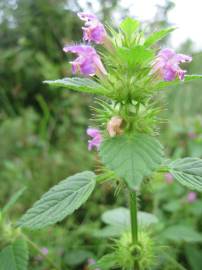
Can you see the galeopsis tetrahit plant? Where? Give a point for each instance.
(126, 74)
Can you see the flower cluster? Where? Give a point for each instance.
(88, 63)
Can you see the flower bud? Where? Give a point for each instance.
(114, 126)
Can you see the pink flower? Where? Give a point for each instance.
(114, 126)
(91, 262)
(191, 197)
(168, 178)
(96, 136)
(93, 30)
(167, 64)
(44, 251)
(88, 61)
(192, 135)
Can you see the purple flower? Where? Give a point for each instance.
(88, 61)
(167, 64)
(93, 30)
(96, 136)
(191, 197)
(168, 178)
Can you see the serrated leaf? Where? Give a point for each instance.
(15, 256)
(79, 84)
(60, 201)
(188, 172)
(156, 36)
(132, 157)
(13, 200)
(187, 78)
(182, 233)
(129, 26)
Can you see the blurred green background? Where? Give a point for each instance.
(43, 140)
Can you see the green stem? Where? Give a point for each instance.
(134, 221)
(133, 216)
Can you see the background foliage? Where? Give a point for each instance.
(43, 136)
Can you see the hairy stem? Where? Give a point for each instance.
(134, 221)
(133, 216)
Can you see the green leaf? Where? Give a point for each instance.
(188, 172)
(187, 78)
(135, 55)
(60, 201)
(77, 257)
(182, 233)
(120, 218)
(132, 157)
(13, 200)
(156, 36)
(79, 84)
(193, 255)
(107, 262)
(129, 26)
(15, 256)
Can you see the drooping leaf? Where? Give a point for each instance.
(188, 172)
(129, 26)
(182, 233)
(156, 36)
(79, 84)
(15, 256)
(187, 78)
(132, 156)
(60, 201)
(13, 200)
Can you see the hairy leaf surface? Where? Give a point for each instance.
(132, 156)
(60, 201)
(188, 172)
(79, 84)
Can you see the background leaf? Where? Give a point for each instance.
(118, 220)
(60, 201)
(13, 200)
(79, 84)
(15, 256)
(181, 233)
(156, 36)
(132, 157)
(187, 171)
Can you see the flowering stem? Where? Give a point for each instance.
(134, 221)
